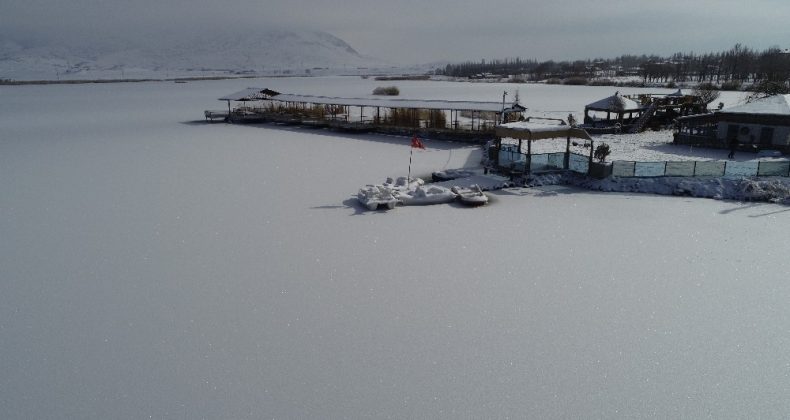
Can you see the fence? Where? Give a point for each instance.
(703, 168)
(515, 161)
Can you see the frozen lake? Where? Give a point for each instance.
(154, 266)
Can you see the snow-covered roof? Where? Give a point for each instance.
(393, 103)
(253, 94)
(536, 131)
(616, 103)
(249, 94)
(770, 105)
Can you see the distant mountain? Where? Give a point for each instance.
(254, 52)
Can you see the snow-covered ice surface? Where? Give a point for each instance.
(153, 266)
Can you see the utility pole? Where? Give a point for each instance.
(504, 94)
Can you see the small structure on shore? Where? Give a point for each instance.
(763, 123)
(511, 158)
(634, 113)
(620, 111)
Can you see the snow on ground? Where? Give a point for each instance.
(155, 266)
(649, 146)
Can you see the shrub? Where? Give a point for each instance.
(731, 85)
(601, 152)
(575, 81)
(707, 92)
(632, 83)
(554, 81)
(601, 82)
(387, 90)
(769, 88)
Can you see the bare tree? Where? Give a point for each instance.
(707, 92)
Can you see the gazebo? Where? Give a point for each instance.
(535, 130)
(619, 110)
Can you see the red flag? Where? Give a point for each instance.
(415, 142)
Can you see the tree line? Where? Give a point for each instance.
(731, 69)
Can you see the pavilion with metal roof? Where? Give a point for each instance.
(368, 113)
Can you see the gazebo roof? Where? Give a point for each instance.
(615, 103)
(250, 94)
(537, 131)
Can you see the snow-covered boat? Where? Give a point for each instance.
(387, 194)
(424, 195)
(451, 174)
(400, 183)
(472, 196)
(376, 196)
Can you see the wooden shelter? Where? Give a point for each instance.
(536, 129)
(620, 110)
(635, 113)
(760, 124)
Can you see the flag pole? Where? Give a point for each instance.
(408, 177)
(415, 142)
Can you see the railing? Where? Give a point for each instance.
(700, 168)
(511, 160)
(645, 117)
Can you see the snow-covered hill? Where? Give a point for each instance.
(161, 55)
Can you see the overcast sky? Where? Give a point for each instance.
(411, 31)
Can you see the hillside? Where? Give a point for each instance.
(171, 55)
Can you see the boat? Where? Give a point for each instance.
(377, 196)
(425, 195)
(450, 174)
(400, 183)
(471, 196)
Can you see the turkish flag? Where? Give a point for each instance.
(415, 142)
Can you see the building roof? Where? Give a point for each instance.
(770, 105)
(256, 94)
(250, 94)
(537, 131)
(615, 103)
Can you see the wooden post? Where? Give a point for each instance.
(592, 149)
(567, 159)
(529, 156)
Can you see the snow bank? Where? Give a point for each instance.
(774, 190)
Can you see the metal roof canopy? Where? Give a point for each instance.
(393, 103)
(250, 94)
(256, 94)
(525, 130)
